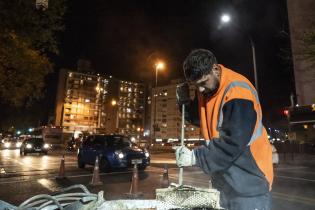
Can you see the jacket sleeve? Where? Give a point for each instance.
(239, 119)
(191, 111)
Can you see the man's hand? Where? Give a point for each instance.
(185, 157)
(182, 94)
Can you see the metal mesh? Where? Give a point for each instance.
(188, 197)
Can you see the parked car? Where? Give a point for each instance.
(115, 151)
(34, 145)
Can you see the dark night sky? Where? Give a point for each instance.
(122, 38)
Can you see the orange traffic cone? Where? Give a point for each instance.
(133, 193)
(96, 175)
(61, 174)
(165, 180)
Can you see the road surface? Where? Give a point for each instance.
(24, 177)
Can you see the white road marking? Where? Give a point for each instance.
(48, 184)
(164, 161)
(295, 178)
(35, 164)
(291, 168)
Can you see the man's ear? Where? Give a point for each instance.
(216, 69)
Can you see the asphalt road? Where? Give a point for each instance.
(24, 177)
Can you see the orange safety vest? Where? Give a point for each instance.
(235, 86)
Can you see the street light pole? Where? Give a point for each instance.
(155, 101)
(225, 19)
(254, 62)
(158, 66)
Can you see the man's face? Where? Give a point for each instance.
(208, 84)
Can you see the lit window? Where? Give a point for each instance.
(129, 89)
(87, 100)
(128, 110)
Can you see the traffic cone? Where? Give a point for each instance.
(133, 193)
(61, 174)
(96, 175)
(165, 180)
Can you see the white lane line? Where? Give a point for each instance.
(48, 184)
(291, 168)
(35, 164)
(163, 161)
(295, 178)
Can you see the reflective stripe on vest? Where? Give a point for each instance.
(259, 130)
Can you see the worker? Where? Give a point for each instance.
(236, 152)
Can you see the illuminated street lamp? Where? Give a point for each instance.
(114, 102)
(225, 19)
(158, 66)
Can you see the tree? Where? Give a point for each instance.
(27, 37)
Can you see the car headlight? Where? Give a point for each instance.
(7, 144)
(119, 154)
(147, 154)
(46, 146)
(29, 146)
(18, 144)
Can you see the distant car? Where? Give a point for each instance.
(34, 145)
(10, 143)
(115, 151)
(275, 155)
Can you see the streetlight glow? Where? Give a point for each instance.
(159, 66)
(225, 18)
(114, 102)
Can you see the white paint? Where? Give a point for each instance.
(295, 178)
(48, 184)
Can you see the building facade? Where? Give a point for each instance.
(166, 117)
(99, 104)
(302, 21)
(131, 111)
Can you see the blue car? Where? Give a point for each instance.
(114, 151)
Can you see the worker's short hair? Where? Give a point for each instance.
(198, 63)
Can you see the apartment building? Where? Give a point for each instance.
(131, 111)
(166, 117)
(99, 104)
